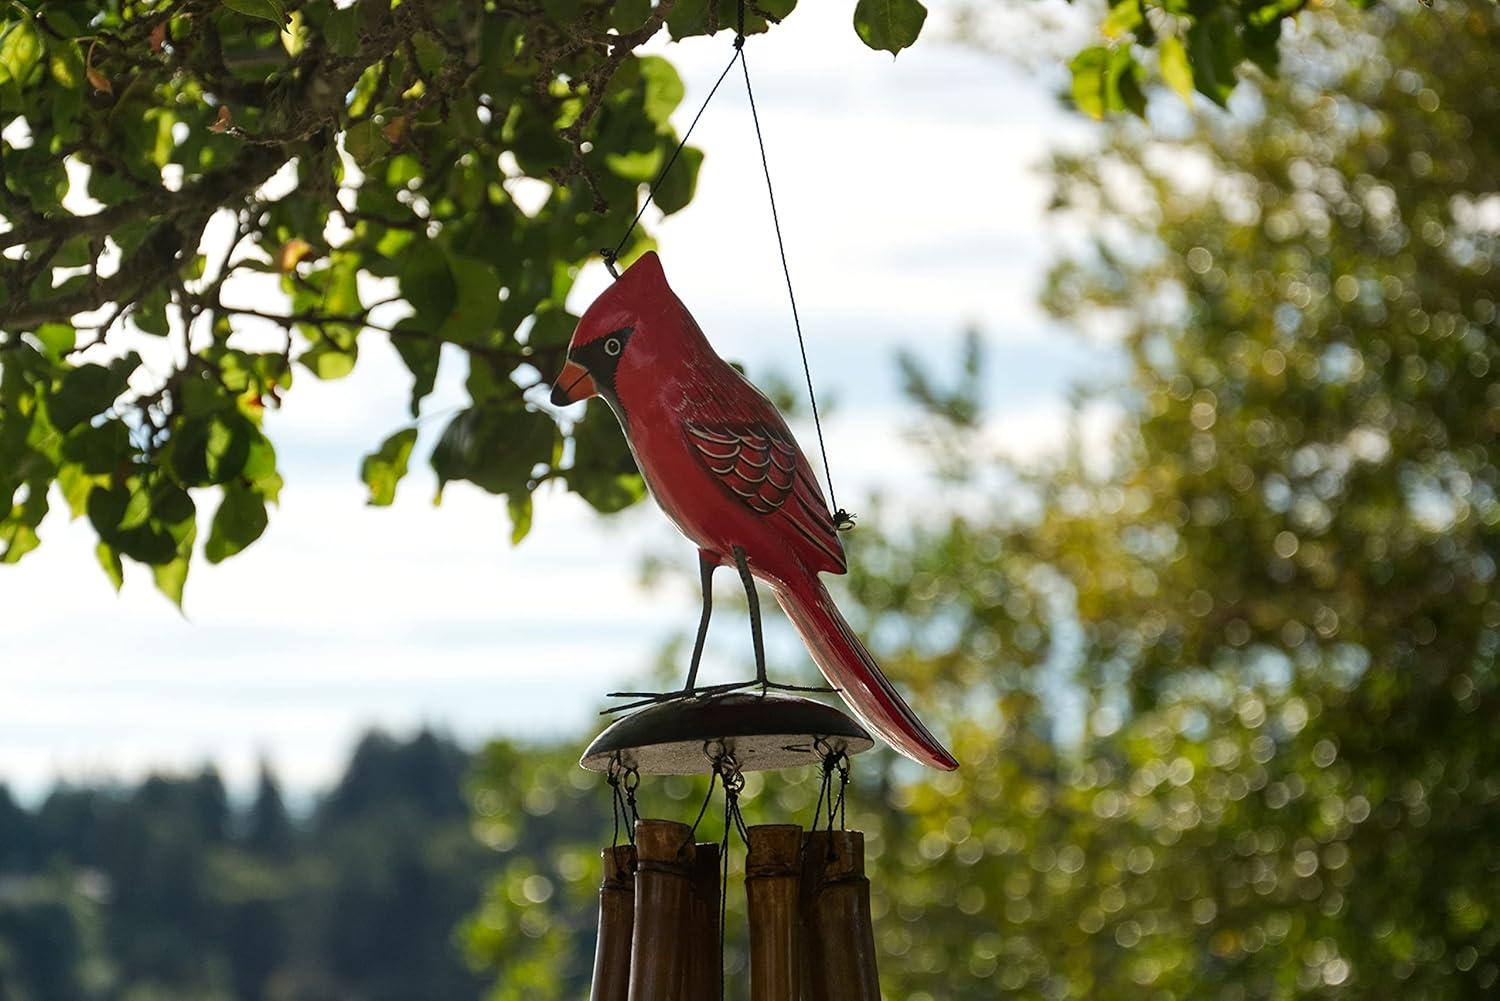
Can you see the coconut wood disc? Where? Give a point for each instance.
(763, 731)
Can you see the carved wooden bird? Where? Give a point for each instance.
(720, 460)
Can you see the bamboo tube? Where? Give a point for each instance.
(663, 902)
(773, 870)
(616, 919)
(839, 961)
(705, 958)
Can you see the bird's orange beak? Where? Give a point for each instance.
(573, 384)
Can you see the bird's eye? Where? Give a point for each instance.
(612, 347)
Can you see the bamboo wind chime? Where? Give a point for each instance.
(662, 899)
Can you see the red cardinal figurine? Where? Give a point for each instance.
(720, 460)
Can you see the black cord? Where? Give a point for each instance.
(723, 892)
(612, 256)
(614, 802)
(632, 780)
(842, 520)
(622, 801)
(843, 809)
(713, 777)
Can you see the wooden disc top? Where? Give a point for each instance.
(763, 731)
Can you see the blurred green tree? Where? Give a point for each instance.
(268, 829)
(1224, 683)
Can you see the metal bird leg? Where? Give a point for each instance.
(754, 601)
(707, 564)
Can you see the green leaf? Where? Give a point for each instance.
(365, 143)
(109, 561)
(151, 312)
(341, 31)
(494, 448)
(384, 468)
(422, 354)
(1090, 88)
(260, 468)
(239, 521)
(67, 65)
(328, 361)
(661, 88)
(1106, 80)
(21, 49)
(75, 484)
(89, 390)
(519, 506)
(552, 327)
(57, 339)
(1175, 69)
(342, 295)
(427, 284)
(171, 578)
(98, 450)
(688, 17)
(628, 15)
(210, 450)
(269, 10)
(1124, 81)
(603, 472)
(476, 301)
(174, 514)
(18, 528)
(1214, 49)
(889, 25)
(1123, 18)
(681, 182)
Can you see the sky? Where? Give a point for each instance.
(913, 208)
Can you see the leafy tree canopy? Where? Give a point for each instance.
(155, 151)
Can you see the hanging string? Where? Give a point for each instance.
(614, 802)
(723, 891)
(727, 769)
(842, 519)
(825, 787)
(612, 256)
(623, 781)
(834, 760)
(713, 777)
(843, 767)
(632, 781)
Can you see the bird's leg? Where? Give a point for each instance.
(754, 600)
(707, 564)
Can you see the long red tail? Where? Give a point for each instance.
(849, 667)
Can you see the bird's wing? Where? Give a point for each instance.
(760, 464)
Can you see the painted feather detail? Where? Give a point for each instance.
(757, 463)
(761, 466)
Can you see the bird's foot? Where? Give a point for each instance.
(641, 699)
(656, 698)
(764, 686)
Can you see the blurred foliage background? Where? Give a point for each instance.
(1224, 684)
(1225, 688)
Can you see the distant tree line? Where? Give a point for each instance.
(165, 890)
